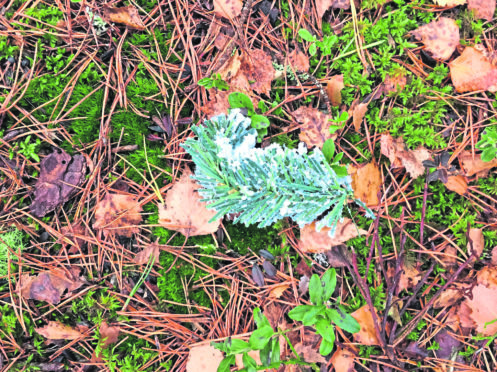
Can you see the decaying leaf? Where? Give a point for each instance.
(358, 114)
(343, 360)
(487, 276)
(439, 37)
(338, 256)
(143, 257)
(277, 291)
(395, 82)
(474, 166)
(217, 104)
(49, 286)
(367, 334)
(109, 334)
(409, 276)
(334, 88)
(399, 156)
(473, 71)
(451, 295)
(366, 182)
(315, 126)
(478, 244)
(480, 308)
(312, 241)
(60, 177)
(323, 5)
(309, 353)
(118, 214)
(127, 15)
(228, 8)
(448, 344)
(457, 184)
(184, 212)
(494, 256)
(59, 331)
(204, 358)
(483, 9)
(298, 60)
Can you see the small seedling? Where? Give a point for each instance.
(324, 45)
(29, 150)
(215, 81)
(488, 144)
(322, 314)
(258, 122)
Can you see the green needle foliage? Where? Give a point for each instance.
(264, 185)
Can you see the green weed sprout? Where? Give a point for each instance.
(13, 240)
(488, 144)
(264, 185)
(320, 315)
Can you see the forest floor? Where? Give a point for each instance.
(97, 98)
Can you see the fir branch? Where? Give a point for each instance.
(264, 185)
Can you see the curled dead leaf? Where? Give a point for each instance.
(366, 182)
(440, 37)
(473, 71)
(399, 156)
(367, 334)
(477, 244)
(143, 257)
(298, 60)
(358, 114)
(483, 9)
(277, 291)
(479, 310)
(343, 360)
(228, 8)
(334, 88)
(474, 166)
(127, 15)
(118, 214)
(59, 331)
(312, 241)
(394, 82)
(204, 358)
(457, 184)
(184, 212)
(315, 126)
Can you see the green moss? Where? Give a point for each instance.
(243, 238)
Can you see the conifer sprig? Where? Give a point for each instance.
(264, 185)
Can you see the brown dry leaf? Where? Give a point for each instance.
(473, 71)
(334, 88)
(399, 156)
(298, 60)
(277, 291)
(118, 214)
(395, 83)
(59, 331)
(450, 2)
(323, 5)
(50, 285)
(257, 67)
(367, 334)
(309, 353)
(480, 308)
(473, 165)
(488, 277)
(484, 9)
(409, 277)
(476, 236)
(204, 358)
(312, 241)
(60, 177)
(218, 103)
(358, 114)
(143, 256)
(343, 360)
(366, 182)
(184, 212)
(228, 8)
(439, 37)
(451, 295)
(315, 126)
(457, 184)
(493, 260)
(127, 15)
(110, 334)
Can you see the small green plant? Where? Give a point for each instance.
(258, 122)
(324, 45)
(11, 239)
(29, 150)
(488, 144)
(215, 81)
(322, 314)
